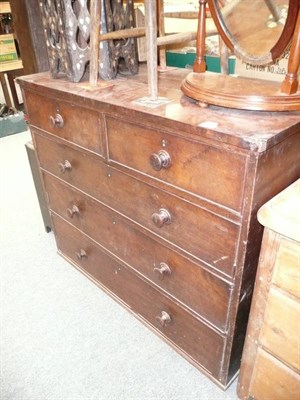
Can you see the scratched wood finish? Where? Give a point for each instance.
(187, 158)
(116, 234)
(78, 121)
(143, 299)
(271, 358)
(200, 231)
(224, 166)
(210, 239)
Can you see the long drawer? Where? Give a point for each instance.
(205, 170)
(67, 121)
(202, 234)
(204, 345)
(185, 281)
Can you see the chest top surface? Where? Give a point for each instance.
(254, 130)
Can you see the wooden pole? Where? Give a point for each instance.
(200, 64)
(176, 38)
(95, 11)
(161, 33)
(151, 40)
(123, 34)
(181, 14)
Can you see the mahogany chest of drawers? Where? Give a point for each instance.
(158, 205)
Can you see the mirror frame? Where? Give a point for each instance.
(275, 52)
(240, 92)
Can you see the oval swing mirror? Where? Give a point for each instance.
(258, 32)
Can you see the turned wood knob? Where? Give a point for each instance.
(163, 319)
(65, 166)
(161, 218)
(81, 254)
(57, 121)
(160, 160)
(72, 211)
(162, 271)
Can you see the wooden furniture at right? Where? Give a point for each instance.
(270, 366)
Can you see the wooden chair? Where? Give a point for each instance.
(179, 37)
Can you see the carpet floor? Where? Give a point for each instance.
(62, 338)
(12, 124)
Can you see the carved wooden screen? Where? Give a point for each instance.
(67, 27)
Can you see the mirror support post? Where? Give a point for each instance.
(200, 64)
(290, 83)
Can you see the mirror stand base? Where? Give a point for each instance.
(239, 92)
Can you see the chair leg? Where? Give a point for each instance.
(161, 32)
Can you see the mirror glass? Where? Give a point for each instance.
(253, 26)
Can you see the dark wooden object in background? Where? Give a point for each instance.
(67, 31)
(122, 52)
(31, 40)
(67, 27)
(158, 206)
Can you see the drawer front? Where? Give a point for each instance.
(185, 281)
(198, 232)
(287, 269)
(273, 380)
(206, 171)
(194, 338)
(281, 328)
(80, 125)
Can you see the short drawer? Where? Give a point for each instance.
(207, 171)
(209, 238)
(187, 282)
(75, 124)
(281, 328)
(204, 345)
(287, 271)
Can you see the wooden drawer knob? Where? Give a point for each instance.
(74, 210)
(163, 319)
(65, 166)
(81, 254)
(57, 121)
(160, 160)
(162, 271)
(161, 218)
